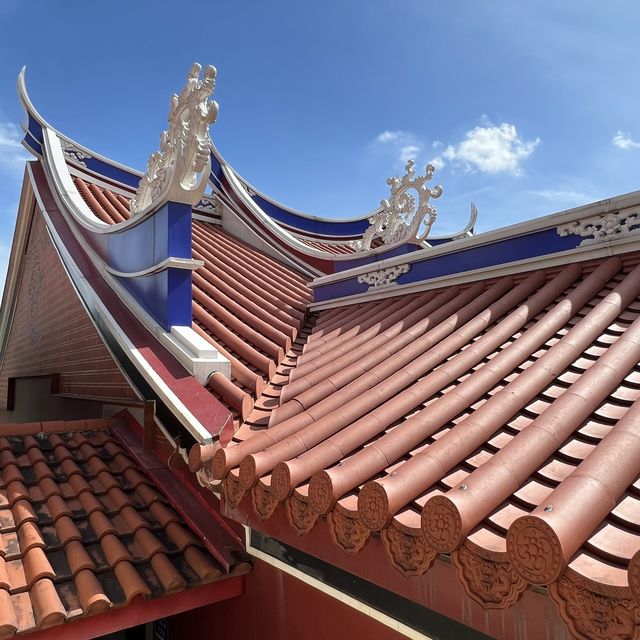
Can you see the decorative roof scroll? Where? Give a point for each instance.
(401, 217)
(607, 226)
(180, 169)
(384, 277)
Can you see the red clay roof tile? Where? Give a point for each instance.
(494, 421)
(61, 548)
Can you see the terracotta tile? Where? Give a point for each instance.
(180, 536)
(101, 524)
(77, 557)
(89, 502)
(17, 491)
(47, 607)
(130, 581)
(148, 543)
(67, 530)
(11, 473)
(8, 619)
(92, 598)
(29, 536)
(107, 480)
(148, 494)
(57, 507)
(48, 488)
(133, 519)
(69, 467)
(114, 551)
(21, 511)
(36, 566)
(203, 566)
(135, 478)
(4, 576)
(118, 498)
(163, 514)
(167, 574)
(35, 455)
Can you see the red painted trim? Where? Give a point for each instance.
(219, 539)
(141, 611)
(209, 411)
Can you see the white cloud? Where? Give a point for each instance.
(12, 154)
(624, 141)
(391, 136)
(490, 149)
(487, 148)
(409, 152)
(560, 195)
(402, 144)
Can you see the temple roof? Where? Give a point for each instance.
(494, 421)
(84, 530)
(476, 398)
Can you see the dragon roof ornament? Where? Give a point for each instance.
(178, 172)
(401, 217)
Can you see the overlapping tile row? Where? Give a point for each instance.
(83, 530)
(245, 303)
(497, 422)
(108, 206)
(324, 245)
(249, 306)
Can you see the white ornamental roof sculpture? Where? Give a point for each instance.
(402, 218)
(179, 171)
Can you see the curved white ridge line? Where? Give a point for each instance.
(167, 263)
(269, 222)
(473, 218)
(241, 191)
(284, 207)
(30, 108)
(61, 175)
(54, 158)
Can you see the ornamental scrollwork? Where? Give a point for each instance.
(403, 217)
(384, 277)
(607, 226)
(179, 170)
(73, 153)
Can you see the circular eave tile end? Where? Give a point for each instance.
(219, 464)
(373, 506)
(281, 481)
(634, 576)
(321, 492)
(442, 524)
(248, 473)
(534, 550)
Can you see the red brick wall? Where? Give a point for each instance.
(51, 331)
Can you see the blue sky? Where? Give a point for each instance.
(527, 108)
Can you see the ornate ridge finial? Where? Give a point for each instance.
(179, 170)
(401, 217)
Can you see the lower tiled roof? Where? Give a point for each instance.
(83, 529)
(497, 422)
